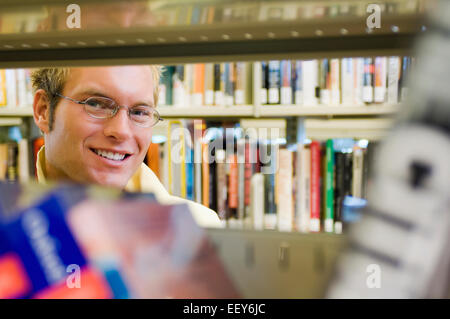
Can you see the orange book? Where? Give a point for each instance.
(37, 144)
(205, 175)
(153, 158)
(199, 84)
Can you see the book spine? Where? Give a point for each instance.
(270, 214)
(209, 84)
(12, 169)
(189, 172)
(325, 82)
(199, 84)
(264, 82)
(219, 84)
(358, 78)
(298, 82)
(339, 191)
(347, 81)
(311, 89)
(229, 84)
(257, 201)
(303, 189)
(393, 79)
(274, 82)
(286, 78)
(329, 186)
(233, 185)
(205, 175)
(3, 100)
(241, 178)
(315, 187)
(11, 87)
(357, 180)
(285, 203)
(335, 83)
(380, 79)
(179, 91)
(241, 83)
(21, 88)
(188, 84)
(23, 161)
(221, 184)
(368, 80)
(404, 76)
(212, 178)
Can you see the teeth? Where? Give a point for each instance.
(110, 155)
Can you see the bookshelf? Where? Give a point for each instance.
(258, 36)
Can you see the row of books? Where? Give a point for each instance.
(347, 81)
(15, 88)
(258, 183)
(18, 158)
(208, 13)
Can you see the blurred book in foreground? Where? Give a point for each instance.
(70, 241)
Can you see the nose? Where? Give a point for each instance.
(118, 127)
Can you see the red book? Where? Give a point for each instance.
(233, 183)
(315, 186)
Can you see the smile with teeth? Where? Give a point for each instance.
(110, 155)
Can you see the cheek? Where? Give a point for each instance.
(143, 140)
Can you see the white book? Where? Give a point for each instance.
(310, 82)
(257, 200)
(335, 82)
(188, 84)
(21, 88)
(393, 79)
(347, 75)
(11, 87)
(358, 78)
(23, 161)
(303, 188)
(285, 206)
(380, 79)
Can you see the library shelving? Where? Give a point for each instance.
(205, 31)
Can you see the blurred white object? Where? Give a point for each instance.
(399, 248)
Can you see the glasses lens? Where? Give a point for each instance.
(100, 107)
(144, 115)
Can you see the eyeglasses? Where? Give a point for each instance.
(102, 108)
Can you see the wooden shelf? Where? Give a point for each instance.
(248, 111)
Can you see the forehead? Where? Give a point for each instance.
(120, 82)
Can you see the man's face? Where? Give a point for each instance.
(72, 146)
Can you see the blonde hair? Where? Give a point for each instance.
(52, 81)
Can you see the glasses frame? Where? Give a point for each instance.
(117, 107)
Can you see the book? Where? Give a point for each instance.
(368, 81)
(178, 87)
(3, 98)
(380, 79)
(274, 82)
(286, 85)
(297, 74)
(257, 208)
(219, 84)
(241, 178)
(209, 84)
(199, 84)
(357, 177)
(285, 206)
(347, 76)
(311, 89)
(393, 79)
(335, 82)
(303, 177)
(264, 82)
(325, 82)
(315, 187)
(329, 187)
(221, 184)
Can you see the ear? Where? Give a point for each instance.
(41, 111)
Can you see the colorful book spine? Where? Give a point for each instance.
(368, 81)
(325, 82)
(329, 186)
(233, 185)
(286, 78)
(219, 84)
(199, 84)
(315, 187)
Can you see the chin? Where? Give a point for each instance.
(111, 181)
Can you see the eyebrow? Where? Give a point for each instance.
(94, 92)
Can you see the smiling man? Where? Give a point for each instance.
(97, 125)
